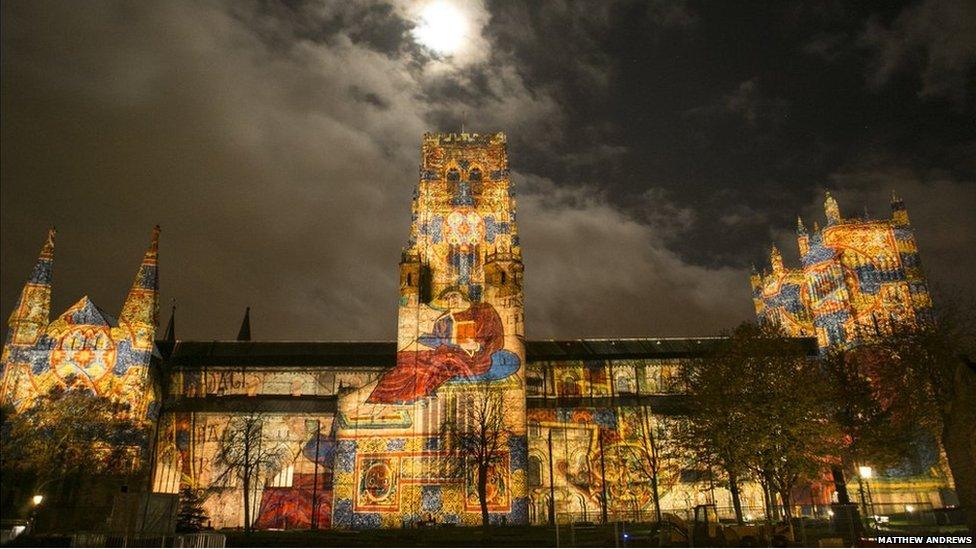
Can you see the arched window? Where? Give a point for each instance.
(504, 277)
(409, 279)
(569, 386)
(474, 175)
(535, 471)
(453, 175)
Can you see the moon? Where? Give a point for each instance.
(442, 28)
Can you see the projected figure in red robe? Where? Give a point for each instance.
(465, 346)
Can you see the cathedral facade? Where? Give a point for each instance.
(858, 276)
(358, 428)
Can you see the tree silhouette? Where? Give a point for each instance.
(191, 517)
(245, 455)
(474, 439)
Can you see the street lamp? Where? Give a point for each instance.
(866, 472)
(36, 500)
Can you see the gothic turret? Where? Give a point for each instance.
(410, 283)
(503, 271)
(899, 214)
(832, 210)
(776, 259)
(802, 238)
(33, 310)
(141, 309)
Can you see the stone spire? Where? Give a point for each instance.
(802, 238)
(244, 334)
(776, 259)
(832, 210)
(171, 326)
(32, 313)
(141, 308)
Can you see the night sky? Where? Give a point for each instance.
(657, 149)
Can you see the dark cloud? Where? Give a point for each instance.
(658, 148)
(935, 40)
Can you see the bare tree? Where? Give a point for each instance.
(647, 460)
(245, 455)
(475, 437)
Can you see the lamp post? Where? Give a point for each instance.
(35, 502)
(864, 473)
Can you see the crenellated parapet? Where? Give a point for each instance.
(858, 276)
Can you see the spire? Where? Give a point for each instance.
(171, 325)
(142, 304)
(776, 259)
(832, 210)
(33, 309)
(245, 332)
(802, 239)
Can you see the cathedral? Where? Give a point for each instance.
(858, 276)
(356, 429)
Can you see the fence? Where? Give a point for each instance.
(201, 540)
(811, 524)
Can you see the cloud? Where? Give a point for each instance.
(935, 40)
(593, 270)
(278, 147)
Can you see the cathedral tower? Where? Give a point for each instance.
(460, 338)
(858, 277)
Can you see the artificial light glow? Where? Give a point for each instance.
(37, 499)
(442, 28)
(830, 513)
(865, 471)
(909, 508)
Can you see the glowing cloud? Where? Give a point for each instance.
(442, 28)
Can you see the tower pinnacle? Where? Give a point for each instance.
(141, 308)
(832, 210)
(33, 309)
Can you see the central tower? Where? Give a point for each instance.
(460, 339)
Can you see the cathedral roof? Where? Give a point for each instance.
(86, 313)
(382, 354)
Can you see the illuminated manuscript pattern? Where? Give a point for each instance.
(858, 276)
(285, 498)
(592, 453)
(85, 347)
(460, 330)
